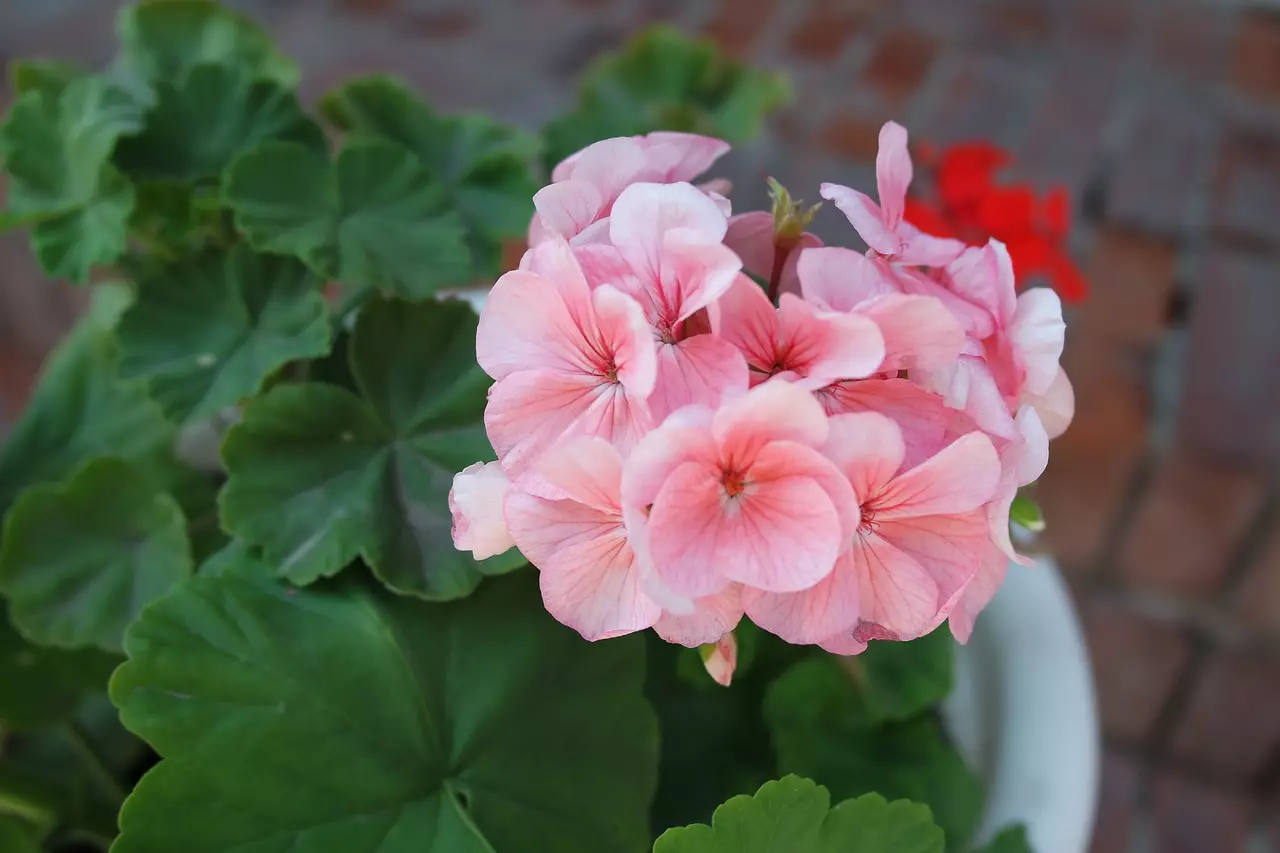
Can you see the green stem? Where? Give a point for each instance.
(95, 765)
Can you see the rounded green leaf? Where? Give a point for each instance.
(43, 687)
(1012, 839)
(896, 681)
(792, 815)
(81, 560)
(319, 475)
(165, 38)
(375, 217)
(17, 836)
(349, 720)
(207, 332)
(82, 409)
(486, 168)
(201, 121)
(50, 76)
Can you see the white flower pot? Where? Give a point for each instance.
(1023, 712)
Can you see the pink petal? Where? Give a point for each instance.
(898, 595)
(476, 504)
(712, 618)
(623, 331)
(721, 659)
(961, 477)
(683, 437)
(774, 411)
(588, 470)
(950, 548)
(1056, 407)
(751, 237)
(702, 370)
(844, 643)
(893, 172)
(644, 213)
(865, 216)
(928, 251)
(610, 165)
(568, 208)
(977, 595)
(841, 279)
(968, 385)
(695, 273)
(1029, 455)
(919, 332)
(868, 449)
(671, 156)
(830, 607)
(1037, 330)
(603, 264)
(927, 424)
(746, 319)
(826, 346)
(587, 570)
(526, 325)
(783, 459)
(976, 320)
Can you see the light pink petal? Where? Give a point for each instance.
(588, 470)
(898, 596)
(927, 424)
(610, 165)
(476, 504)
(746, 319)
(841, 279)
(830, 607)
(977, 320)
(685, 436)
(825, 346)
(868, 449)
(750, 236)
(694, 274)
(554, 261)
(671, 156)
(525, 325)
(844, 643)
(713, 616)
(927, 251)
(967, 385)
(1038, 332)
(702, 370)
(893, 172)
(774, 411)
(568, 208)
(865, 216)
(624, 332)
(1056, 407)
(531, 411)
(961, 477)
(780, 534)
(919, 332)
(644, 213)
(721, 659)
(587, 570)
(603, 264)
(1030, 455)
(977, 595)
(783, 459)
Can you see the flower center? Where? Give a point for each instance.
(868, 522)
(734, 482)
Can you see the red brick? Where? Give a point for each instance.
(1259, 598)
(1246, 187)
(1105, 22)
(1233, 360)
(852, 136)
(1136, 664)
(978, 102)
(1231, 727)
(738, 24)
(899, 65)
(1191, 524)
(1131, 277)
(368, 7)
(828, 26)
(1189, 38)
(444, 24)
(1255, 70)
(1193, 818)
(1117, 803)
(1014, 21)
(1092, 465)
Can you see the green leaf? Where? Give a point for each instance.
(820, 730)
(208, 332)
(319, 476)
(373, 218)
(470, 727)
(82, 408)
(664, 80)
(42, 686)
(1026, 513)
(1013, 839)
(896, 681)
(17, 836)
(49, 76)
(486, 168)
(200, 122)
(164, 38)
(81, 560)
(57, 152)
(793, 815)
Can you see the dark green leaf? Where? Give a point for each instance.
(896, 681)
(82, 408)
(81, 560)
(320, 476)
(43, 687)
(1010, 840)
(50, 76)
(1026, 512)
(820, 730)
(664, 80)
(350, 720)
(164, 38)
(486, 168)
(376, 217)
(209, 331)
(16, 835)
(201, 121)
(793, 815)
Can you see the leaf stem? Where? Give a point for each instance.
(95, 764)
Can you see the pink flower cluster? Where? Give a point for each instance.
(676, 450)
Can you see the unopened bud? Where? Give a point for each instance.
(720, 658)
(790, 216)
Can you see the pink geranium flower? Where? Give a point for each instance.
(882, 225)
(740, 494)
(475, 501)
(568, 360)
(753, 238)
(921, 535)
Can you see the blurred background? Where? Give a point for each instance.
(1160, 118)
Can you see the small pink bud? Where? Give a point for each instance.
(720, 658)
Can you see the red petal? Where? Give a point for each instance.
(927, 218)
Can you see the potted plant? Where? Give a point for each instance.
(328, 639)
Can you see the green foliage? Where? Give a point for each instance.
(663, 80)
(44, 686)
(1011, 840)
(478, 725)
(793, 815)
